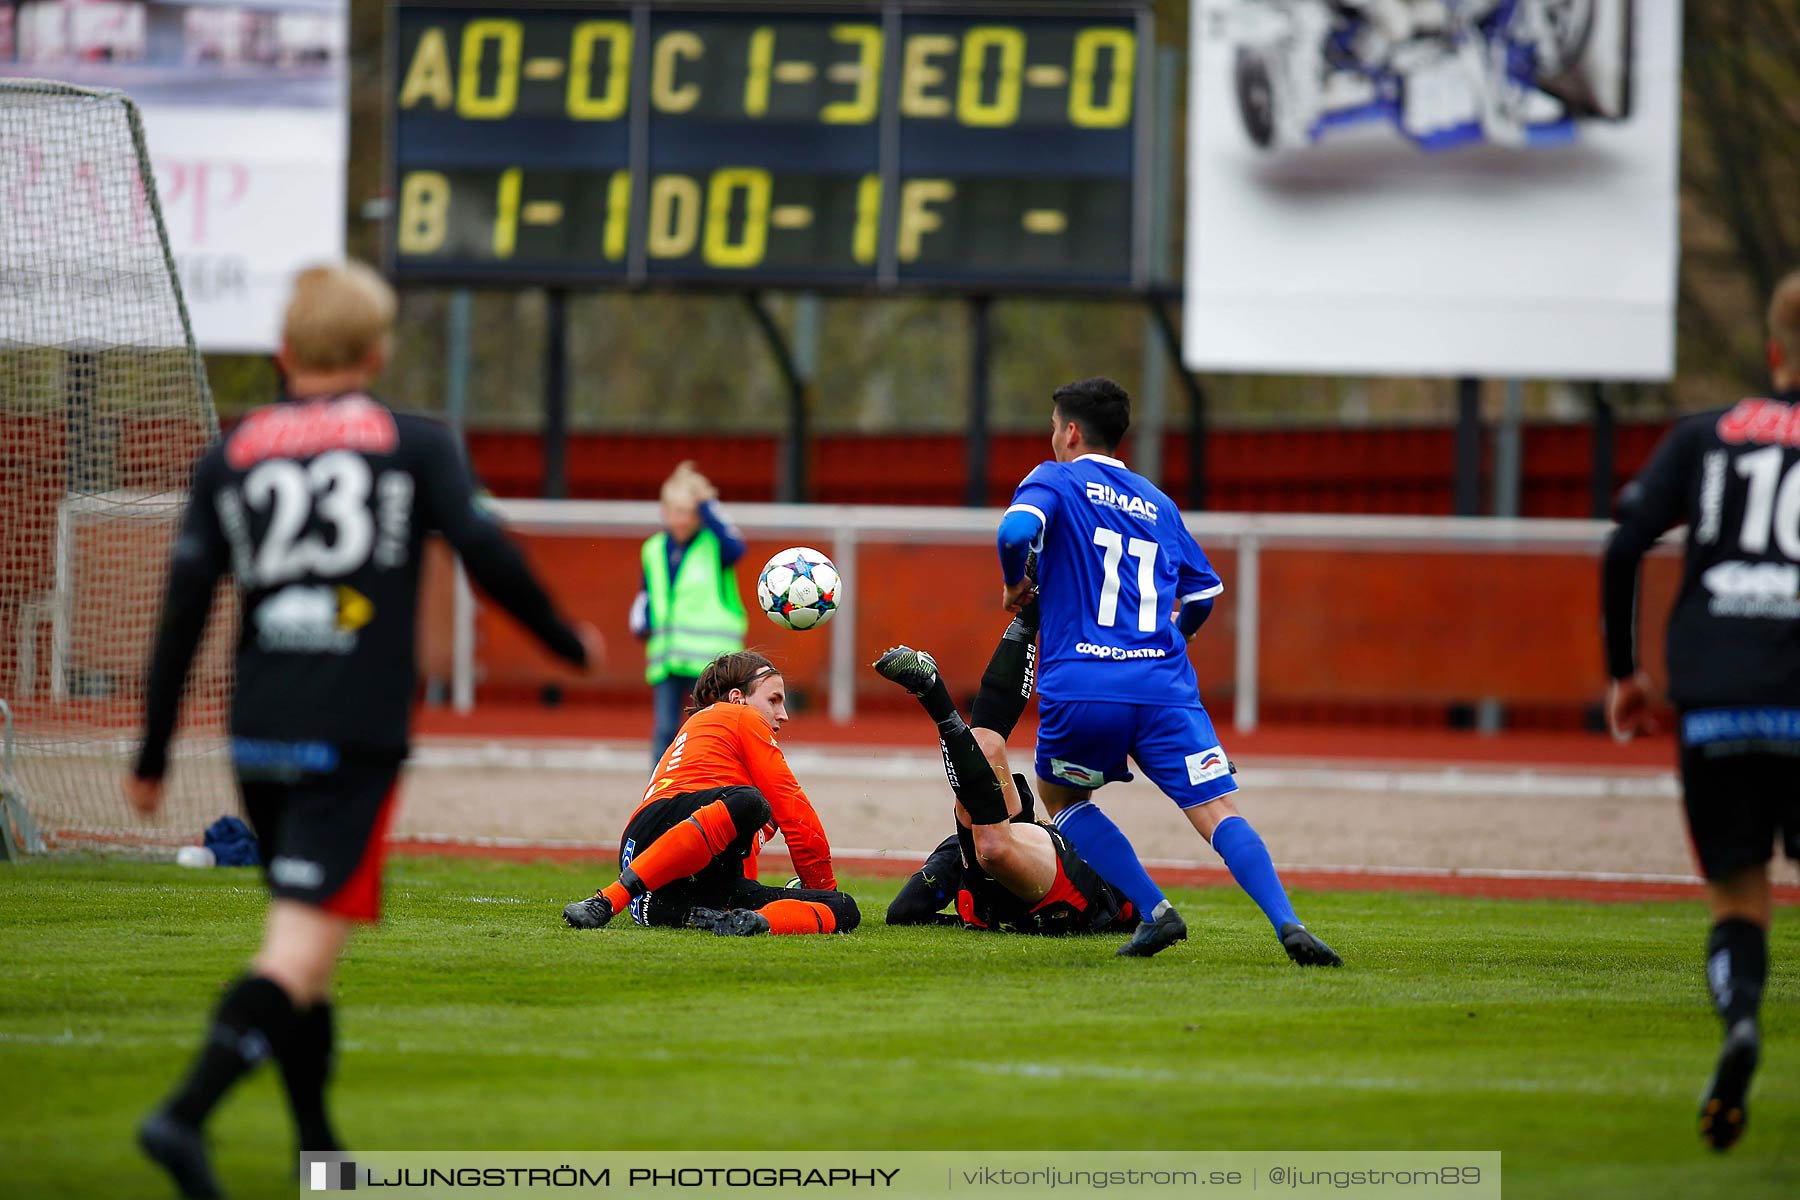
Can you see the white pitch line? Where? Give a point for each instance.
(1291, 774)
(1190, 1077)
(854, 854)
(1379, 872)
(67, 1037)
(1286, 774)
(1466, 781)
(630, 758)
(1376, 872)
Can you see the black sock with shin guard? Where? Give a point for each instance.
(971, 776)
(1006, 686)
(306, 1063)
(1737, 963)
(254, 1020)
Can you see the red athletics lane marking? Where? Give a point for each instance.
(903, 728)
(1395, 747)
(1488, 886)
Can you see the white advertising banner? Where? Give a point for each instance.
(244, 105)
(1434, 187)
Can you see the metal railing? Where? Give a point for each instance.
(840, 530)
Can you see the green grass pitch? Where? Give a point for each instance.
(1571, 1037)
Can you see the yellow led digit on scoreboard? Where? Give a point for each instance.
(822, 145)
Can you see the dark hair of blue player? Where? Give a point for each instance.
(1099, 407)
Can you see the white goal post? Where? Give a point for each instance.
(104, 409)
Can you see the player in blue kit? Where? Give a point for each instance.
(1114, 561)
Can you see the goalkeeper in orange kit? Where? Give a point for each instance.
(688, 854)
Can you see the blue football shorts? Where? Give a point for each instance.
(1085, 744)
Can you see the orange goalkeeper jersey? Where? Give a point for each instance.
(725, 744)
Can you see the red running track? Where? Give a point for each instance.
(905, 729)
(901, 729)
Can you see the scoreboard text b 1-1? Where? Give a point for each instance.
(902, 144)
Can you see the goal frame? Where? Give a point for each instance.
(19, 831)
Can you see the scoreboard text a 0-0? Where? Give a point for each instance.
(902, 144)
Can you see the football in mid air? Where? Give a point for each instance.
(798, 588)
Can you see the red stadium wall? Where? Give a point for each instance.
(1375, 635)
(1378, 636)
(1377, 470)
(1383, 636)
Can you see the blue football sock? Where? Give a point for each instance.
(1108, 851)
(1247, 858)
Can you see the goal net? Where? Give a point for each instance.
(104, 408)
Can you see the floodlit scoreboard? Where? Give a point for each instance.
(950, 147)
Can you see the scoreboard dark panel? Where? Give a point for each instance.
(774, 120)
(847, 146)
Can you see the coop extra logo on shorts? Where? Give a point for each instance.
(1207, 765)
(1075, 773)
(1119, 653)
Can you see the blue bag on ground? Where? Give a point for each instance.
(232, 843)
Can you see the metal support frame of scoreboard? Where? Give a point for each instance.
(981, 344)
(792, 482)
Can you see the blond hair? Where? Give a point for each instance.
(686, 485)
(337, 315)
(1784, 319)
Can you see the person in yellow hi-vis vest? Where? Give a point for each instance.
(689, 611)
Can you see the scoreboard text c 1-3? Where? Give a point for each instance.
(833, 146)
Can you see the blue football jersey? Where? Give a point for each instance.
(1114, 561)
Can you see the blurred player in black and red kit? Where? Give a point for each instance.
(1733, 477)
(318, 506)
(1004, 870)
(688, 854)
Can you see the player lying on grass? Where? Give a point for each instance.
(1114, 560)
(1004, 871)
(723, 787)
